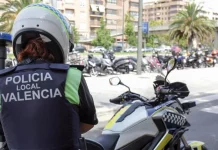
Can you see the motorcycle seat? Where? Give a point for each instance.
(108, 141)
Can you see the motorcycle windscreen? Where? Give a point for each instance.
(180, 88)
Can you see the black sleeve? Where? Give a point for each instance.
(87, 110)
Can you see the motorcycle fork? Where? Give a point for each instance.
(185, 143)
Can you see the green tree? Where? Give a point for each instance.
(103, 37)
(75, 35)
(129, 30)
(11, 8)
(154, 23)
(191, 25)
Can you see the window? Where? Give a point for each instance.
(82, 3)
(111, 22)
(133, 13)
(111, 11)
(112, 1)
(134, 4)
(69, 11)
(98, 2)
(173, 6)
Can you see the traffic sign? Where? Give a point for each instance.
(145, 27)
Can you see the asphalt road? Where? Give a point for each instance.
(203, 86)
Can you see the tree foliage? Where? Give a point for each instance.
(189, 24)
(75, 35)
(129, 30)
(10, 10)
(103, 37)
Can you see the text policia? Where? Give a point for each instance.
(27, 87)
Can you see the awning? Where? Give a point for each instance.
(94, 8)
(101, 9)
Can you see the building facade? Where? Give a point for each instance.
(162, 10)
(86, 14)
(165, 10)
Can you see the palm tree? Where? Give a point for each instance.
(191, 25)
(11, 8)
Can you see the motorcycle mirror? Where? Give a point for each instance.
(115, 81)
(171, 64)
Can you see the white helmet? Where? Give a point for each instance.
(41, 20)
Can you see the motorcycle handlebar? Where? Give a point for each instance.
(116, 100)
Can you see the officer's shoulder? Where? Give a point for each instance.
(57, 66)
(7, 70)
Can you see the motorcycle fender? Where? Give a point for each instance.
(196, 145)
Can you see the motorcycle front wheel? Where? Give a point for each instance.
(93, 72)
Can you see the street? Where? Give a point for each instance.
(202, 84)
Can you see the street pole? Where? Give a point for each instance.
(139, 52)
(123, 28)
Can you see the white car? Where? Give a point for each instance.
(97, 49)
(131, 49)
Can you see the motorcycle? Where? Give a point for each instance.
(192, 60)
(121, 65)
(163, 59)
(181, 61)
(143, 124)
(90, 66)
(145, 64)
(103, 65)
(210, 59)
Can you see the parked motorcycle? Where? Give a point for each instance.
(181, 61)
(154, 64)
(210, 60)
(163, 59)
(121, 65)
(90, 66)
(192, 60)
(143, 124)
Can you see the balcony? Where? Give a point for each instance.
(95, 24)
(96, 14)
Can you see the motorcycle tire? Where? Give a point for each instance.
(214, 64)
(194, 65)
(93, 73)
(127, 70)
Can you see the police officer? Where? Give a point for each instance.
(45, 104)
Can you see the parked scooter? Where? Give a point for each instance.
(121, 65)
(90, 66)
(149, 124)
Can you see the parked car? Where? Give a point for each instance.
(80, 49)
(117, 48)
(97, 49)
(131, 49)
(147, 49)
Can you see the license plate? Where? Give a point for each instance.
(130, 66)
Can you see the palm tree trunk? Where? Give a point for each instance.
(194, 43)
(189, 44)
